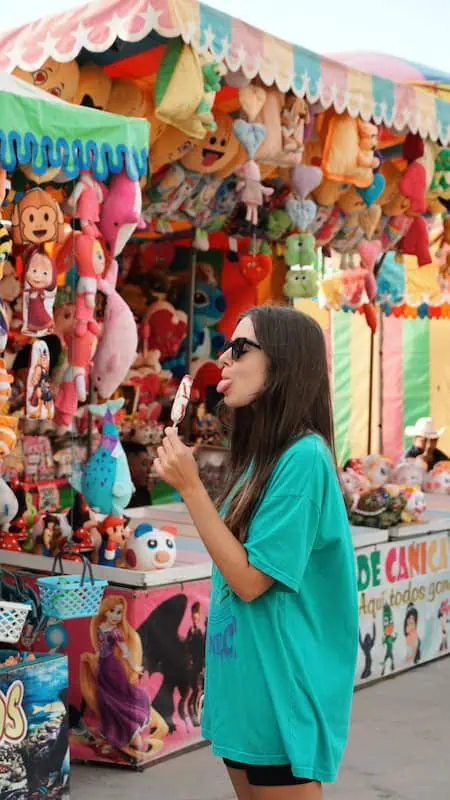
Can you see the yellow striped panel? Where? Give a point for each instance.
(440, 377)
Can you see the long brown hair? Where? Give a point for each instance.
(296, 400)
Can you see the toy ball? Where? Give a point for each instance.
(152, 548)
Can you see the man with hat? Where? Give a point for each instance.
(426, 436)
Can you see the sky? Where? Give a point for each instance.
(416, 30)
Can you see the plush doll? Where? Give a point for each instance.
(94, 87)
(8, 425)
(5, 251)
(239, 284)
(185, 89)
(115, 534)
(39, 292)
(121, 212)
(118, 343)
(37, 219)
(284, 118)
(39, 399)
(300, 250)
(377, 469)
(54, 77)
(91, 262)
(85, 202)
(219, 152)
(106, 482)
(50, 531)
(166, 329)
(349, 147)
(438, 480)
(416, 242)
(152, 548)
(301, 283)
(251, 191)
(127, 99)
(9, 508)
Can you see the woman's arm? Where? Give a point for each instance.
(176, 465)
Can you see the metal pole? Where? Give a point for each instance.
(369, 431)
(190, 332)
(380, 381)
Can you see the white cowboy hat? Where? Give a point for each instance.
(424, 427)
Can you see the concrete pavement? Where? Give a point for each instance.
(398, 750)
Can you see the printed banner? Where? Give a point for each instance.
(404, 605)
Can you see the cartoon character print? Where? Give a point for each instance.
(367, 644)
(389, 638)
(443, 617)
(39, 293)
(37, 219)
(411, 632)
(109, 682)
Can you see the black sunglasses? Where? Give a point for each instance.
(237, 347)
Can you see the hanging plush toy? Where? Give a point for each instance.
(5, 249)
(85, 202)
(106, 482)
(39, 292)
(252, 191)
(37, 219)
(39, 399)
(8, 425)
(300, 250)
(117, 347)
(121, 212)
(301, 283)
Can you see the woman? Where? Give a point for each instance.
(283, 621)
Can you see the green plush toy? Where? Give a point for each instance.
(300, 283)
(300, 250)
(278, 224)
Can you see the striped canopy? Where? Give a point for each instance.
(118, 26)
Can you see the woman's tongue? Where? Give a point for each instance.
(223, 385)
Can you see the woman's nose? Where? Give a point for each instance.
(225, 358)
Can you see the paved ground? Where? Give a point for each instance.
(399, 750)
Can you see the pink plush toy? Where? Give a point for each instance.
(121, 212)
(85, 202)
(252, 192)
(91, 263)
(117, 347)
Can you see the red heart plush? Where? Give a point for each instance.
(166, 333)
(416, 242)
(413, 185)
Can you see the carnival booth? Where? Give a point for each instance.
(275, 174)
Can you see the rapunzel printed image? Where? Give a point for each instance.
(109, 681)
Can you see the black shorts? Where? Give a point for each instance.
(268, 776)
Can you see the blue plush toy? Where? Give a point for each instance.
(106, 483)
(209, 308)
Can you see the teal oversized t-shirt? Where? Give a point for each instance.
(280, 670)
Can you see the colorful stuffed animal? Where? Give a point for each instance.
(377, 469)
(300, 250)
(37, 219)
(252, 192)
(239, 284)
(152, 548)
(220, 151)
(94, 87)
(58, 79)
(121, 212)
(166, 327)
(118, 343)
(85, 201)
(410, 472)
(106, 482)
(438, 480)
(301, 283)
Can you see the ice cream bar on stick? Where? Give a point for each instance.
(181, 401)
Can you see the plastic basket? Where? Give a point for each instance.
(12, 620)
(71, 596)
